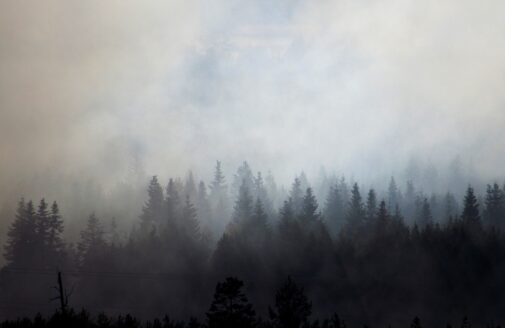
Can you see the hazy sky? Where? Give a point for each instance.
(356, 86)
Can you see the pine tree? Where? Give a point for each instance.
(450, 207)
(261, 193)
(153, 208)
(371, 205)
(425, 217)
(256, 231)
(392, 194)
(202, 204)
(189, 223)
(218, 199)
(494, 213)
(356, 212)
(243, 209)
(42, 223)
(230, 307)
(22, 236)
(259, 217)
(334, 211)
(296, 196)
(289, 227)
(55, 243)
(292, 308)
(218, 185)
(172, 204)
(470, 215)
(92, 239)
(245, 176)
(309, 212)
(382, 213)
(190, 186)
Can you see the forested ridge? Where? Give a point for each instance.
(331, 255)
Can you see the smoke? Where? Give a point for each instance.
(96, 90)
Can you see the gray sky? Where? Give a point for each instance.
(357, 86)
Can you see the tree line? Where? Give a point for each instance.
(380, 258)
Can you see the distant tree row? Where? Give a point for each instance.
(384, 256)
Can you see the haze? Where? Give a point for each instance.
(94, 90)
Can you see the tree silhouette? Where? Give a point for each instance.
(153, 208)
(230, 307)
(371, 205)
(356, 211)
(470, 215)
(292, 308)
(22, 236)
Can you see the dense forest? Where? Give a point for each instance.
(251, 254)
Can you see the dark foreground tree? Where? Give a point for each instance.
(230, 307)
(292, 308)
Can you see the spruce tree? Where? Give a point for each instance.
(334, 210)
(153, 207)
(243, 209)
(382, 213)
(470, 215)
(356, 211)
(189, 223)
(392, 194)
(425, 217)
(309, 212)
(173, 206)
(296, 196)
(92, 240)
(494, 213)
(245, 176)
(371, 205)
(54, 240)
(218, 199)
(22, 236)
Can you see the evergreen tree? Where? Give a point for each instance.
(243, 209)
(172, 204)
(296, 196)
(494, 213)
(309, 212)
(450, 207)
(202, 204)
(256, 230)
(190, 186)
(292, 308)
(288, 225)
(153, 208)
(356, 211)
(230, 307)
(218, 200)
(218, 185)
(334, 211)
(22, 236)
(259, 217)
(245, 176)
(42, 223)
(392, 194)
(382, 213)
(470, 215)
(261, 193)
(54, 239)
(371, 205)
(425, 217)
(92, 240)
(189, 223)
